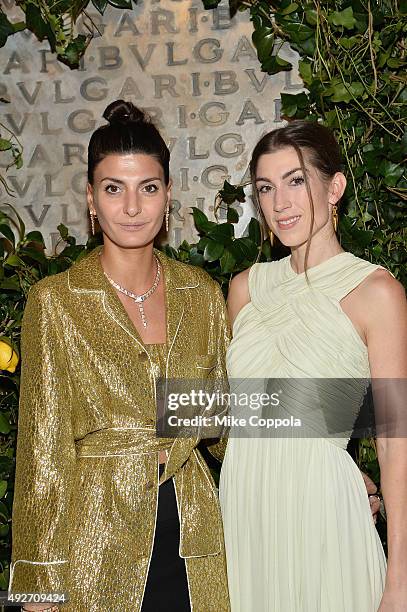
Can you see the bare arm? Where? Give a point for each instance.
(238, 295)
(386, 334)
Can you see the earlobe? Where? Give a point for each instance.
(338, 186)
(89, 198)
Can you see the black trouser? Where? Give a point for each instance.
(167, 586)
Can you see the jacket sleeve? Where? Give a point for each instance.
(221, 339)
(45, 457)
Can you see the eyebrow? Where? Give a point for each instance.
(285, 175)
(116, 180)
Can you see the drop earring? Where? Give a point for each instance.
(335, 216)
(167, 218)
(271, 236)
(92, 222)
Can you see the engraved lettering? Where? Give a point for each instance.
(20, 189)
(208, 180)
(126, 24)
(81, 121)
(221, 18)
(209, 118)
(183, 172)
(196, 89)
(46, 130)
(258, 85)
(17, 128)
(244, 49)
(193, 19)
(90, 92)
(161, 18)
(72, 152)
(207, 51)
(110, 58)
(30, 98)
(59, 99)
(49, 188)
(192, 149)
(289, 84)
(164, 82)
(78, 183)
(39, 155)
(143, 61)
(182, 116)
(249, 111)
(38, 221)
(175, 208)
(15, 62)
(225, 82)
(46, 61)
(237, 149)
(171, 61)
(130, 89)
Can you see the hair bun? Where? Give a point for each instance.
(123, 112)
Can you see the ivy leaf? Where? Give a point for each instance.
(100, 5)
(3, 488)
(213, 250)
(232, 193)
(210, 4)
(35, 236)
(74, 51)
(121, 4)
(201, 221)
(305, 71)
(7, 232)
(289, 9)
(255, 231)
(36, 24)
(4, 426)
(348, 43)
(232, 215)
(391, 172)
(343, 18)
(5, 145)
(6, 29)
(275, 64)
(263, 40)
(227, 262)
(222, 232)
(290, 103)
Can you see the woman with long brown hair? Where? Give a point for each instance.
(298, 529)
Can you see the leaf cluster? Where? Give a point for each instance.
(352, 63)
(54, 20)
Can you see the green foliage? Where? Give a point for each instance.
(352, 62)
(55, 22)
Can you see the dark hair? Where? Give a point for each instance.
(129, 130)
(309, 137)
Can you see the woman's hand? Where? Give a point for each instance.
(374, 499)
(394, 599)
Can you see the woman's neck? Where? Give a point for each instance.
(133, 269)
(320, 250)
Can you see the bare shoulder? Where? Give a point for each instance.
(385, 296)
(238, 295)
(381, 289)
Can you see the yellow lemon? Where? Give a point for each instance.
(8, 356)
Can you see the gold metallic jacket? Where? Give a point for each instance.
(86, 484)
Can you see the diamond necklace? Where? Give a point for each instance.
(139, 299)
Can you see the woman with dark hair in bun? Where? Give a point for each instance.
(105, 511)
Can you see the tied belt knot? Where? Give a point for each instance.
(200, 520)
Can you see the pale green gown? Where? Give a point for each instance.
(298, 527)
